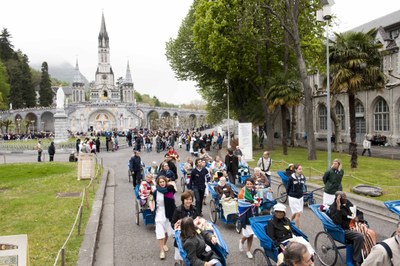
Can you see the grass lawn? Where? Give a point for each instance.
(371, 171)
(29, 205)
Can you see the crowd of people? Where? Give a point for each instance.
(159, 186)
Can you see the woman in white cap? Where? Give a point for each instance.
(279, 228)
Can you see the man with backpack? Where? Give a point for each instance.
(385, 253)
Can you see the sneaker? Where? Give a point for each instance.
(240, 245)
(249, 255)
(165, 248)
(162, 255)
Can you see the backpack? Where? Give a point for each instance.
(388, 250)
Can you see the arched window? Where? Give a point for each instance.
(359, 108)
(381, 115)
(340, 115)
(322, 113)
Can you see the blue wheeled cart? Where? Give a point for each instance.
(148, 215)
(269, 251)
(282, 190)
(216, 210)
(221, 249)
(325, 241)
(393, 206)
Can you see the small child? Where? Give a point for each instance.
(145, 192)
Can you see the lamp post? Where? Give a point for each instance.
(227, 97)
(325, 15)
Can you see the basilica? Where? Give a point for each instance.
(111, 105)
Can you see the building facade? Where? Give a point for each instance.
(377, 112)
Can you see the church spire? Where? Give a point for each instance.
(77, 75)
(103, 35)
(128, 76)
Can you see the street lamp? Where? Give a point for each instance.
(227, 96)
(325, 15)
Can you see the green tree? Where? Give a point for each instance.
(15, 78)
(138, 97)
(4, 87)
(297, 17)
(28, 91)
(355, 66)
(45, 92)
(156, 101)
(6, 48)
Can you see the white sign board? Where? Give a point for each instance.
(14, 250)
(246, 140)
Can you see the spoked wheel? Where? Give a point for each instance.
(213, 211)
(282, 194)
(238, 226)
(326, 249)
(183, 185)
(259, 258)
(137, 212)
(311, 201)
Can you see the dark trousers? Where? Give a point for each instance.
(369, 152)
(39, 156)
(232, 177)
(199, 195)
(136, 176)
(51, 157)
(358, 240)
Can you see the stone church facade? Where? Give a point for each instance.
(377, 112)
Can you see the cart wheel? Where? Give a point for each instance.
(213, 211)
(238, 226)
(326, 249)
(137, 210)
(311, 201)
(183, 185)
(129, 176)
(282, 193)
(259, 258)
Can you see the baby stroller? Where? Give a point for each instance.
(221, 249)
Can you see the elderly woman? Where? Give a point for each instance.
(146, 189)
(279, 228)
(296, 254)
(224, 190)
(260, 178)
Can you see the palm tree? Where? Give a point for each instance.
(285, 92)
(355, 66)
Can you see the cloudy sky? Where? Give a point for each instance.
(61, 31)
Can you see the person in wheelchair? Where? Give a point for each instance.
(260, 178)
(224, 190)
(296, 254)
(146, 189)
(280, 230)
(344, 213)
(243, 166)
(196, 244)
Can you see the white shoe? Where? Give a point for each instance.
(249, 255)
(165, 248)
(240, 245)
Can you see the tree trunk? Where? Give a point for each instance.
(284, 131)
(336, 123)
(353, 142)
(293, 141)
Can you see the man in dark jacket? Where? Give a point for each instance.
(197, 183)
(135, 164)
(52, 151)
(232, 165)
(340, 212)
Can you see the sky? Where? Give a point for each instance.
(63, 31)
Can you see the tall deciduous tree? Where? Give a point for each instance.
(45, 91)
(297, 17)
(355, 66)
